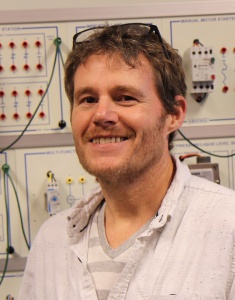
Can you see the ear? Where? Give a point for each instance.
(176, 120)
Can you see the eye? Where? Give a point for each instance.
(86, 101)
(126, 99)
(89, 100)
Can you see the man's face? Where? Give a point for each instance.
(118, 121)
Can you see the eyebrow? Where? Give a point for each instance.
(82, 91)
(116, 89)
(128, 89)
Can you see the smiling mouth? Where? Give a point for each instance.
(107, 140)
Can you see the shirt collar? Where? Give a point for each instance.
(79, 219)
(82, 212)
(172, 196)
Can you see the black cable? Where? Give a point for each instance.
(212, 154)
(7, 228)
(10, 249)
(6, 169)
(20, 213)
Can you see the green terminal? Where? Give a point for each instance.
(212, 60)
(57, 41)
(5, 168)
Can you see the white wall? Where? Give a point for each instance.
(56, 4)
(42, 4)
(26, 11)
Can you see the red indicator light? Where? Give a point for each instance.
(1, 68)
(3, 117)
(42, 114)
(225, 89)
(40, 92)
(12, 45)
(213, 77)
(16, 116)
(26, 67)
(25, 44)
(14, 93)
(38, 44)
(29, 115)
(13, 68)
(39, 67)
(27, 92)
(0, 45)
(223, 50)
(2, 94)
(234, 49)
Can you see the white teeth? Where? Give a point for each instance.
(107, 140)
(102, 141)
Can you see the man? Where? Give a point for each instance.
(151, 230)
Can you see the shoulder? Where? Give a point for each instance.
(70, 221)
(211, 200)
(55, 227)
(202, 185)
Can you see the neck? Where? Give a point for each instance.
(137, 201)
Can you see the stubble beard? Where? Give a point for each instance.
(140, 161)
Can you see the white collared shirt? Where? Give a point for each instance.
(187, 252)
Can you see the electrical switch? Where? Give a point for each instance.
(53, 195)
(201, 71)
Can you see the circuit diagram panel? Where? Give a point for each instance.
(214, 32)
(31, 76)
(72, 180)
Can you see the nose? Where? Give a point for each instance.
(105, 113)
